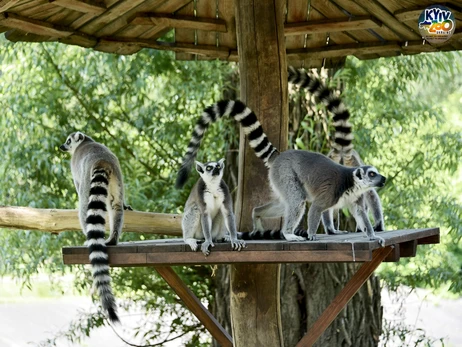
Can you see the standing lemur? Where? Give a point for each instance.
(98, 180)
(209, 209)
(296, 176)
(342, 147)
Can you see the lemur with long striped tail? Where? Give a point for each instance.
(342, 151)
(99, 184)
(295, 176)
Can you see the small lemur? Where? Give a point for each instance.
(99, 183)
(209, 209)
(296, 176)
(342, 147)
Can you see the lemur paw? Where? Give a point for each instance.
(128, 207)
(293, 237)
(205, 247)
(192, 243)
(312, 238)
(111, 242)
(381, 240)
(237, 245)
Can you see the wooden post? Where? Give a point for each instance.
(255, 305)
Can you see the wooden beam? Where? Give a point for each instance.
(342, 298)
(179, 21)
(411, 14)
(208, 50)
(7, 4)
(379, 11)
(195, 306)
(37, 27)
(331, 25)
(408, 249)
(394, 255)
(335, 51)
(56, 221)
(85, 6)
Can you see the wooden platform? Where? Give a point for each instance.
(352, 247)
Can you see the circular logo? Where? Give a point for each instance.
(437, 24)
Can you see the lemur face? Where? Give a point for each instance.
(369, 177)
(211, 171)
(72, 142)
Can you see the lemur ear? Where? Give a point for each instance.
(359, 173)
(221, 162)
(80, 137)
(199, 167)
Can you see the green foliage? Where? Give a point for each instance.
(407, 122)
(143, 107)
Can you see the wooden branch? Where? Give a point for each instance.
(85, 6)
(195, 306)
(33, 26)
(331, 25)
(342, 298)
(182, 22)
(335, 51)
(56, 221)
(6, 4)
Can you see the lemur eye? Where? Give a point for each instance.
(372, 174)
(68, 142)
(209, 168)
(218, 167)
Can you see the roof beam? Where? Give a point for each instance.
(334, 51)
(38, 27)
(183, 22)
(6, 4)
(331, 25)
(86, 6)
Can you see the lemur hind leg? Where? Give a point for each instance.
(192, 229)
(314, 218)
(294, 211)
(328, 223)
(273, 209)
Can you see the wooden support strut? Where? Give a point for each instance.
(342, 298)
(195, 306)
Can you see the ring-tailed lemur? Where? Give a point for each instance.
(296, 176)
(98, 180)
(209, 209)
(342, 151)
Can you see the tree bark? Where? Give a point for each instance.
(255, 307)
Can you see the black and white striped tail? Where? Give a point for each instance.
(343, 136)
(95, 227)
(258, 140)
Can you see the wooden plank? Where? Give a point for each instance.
(206, 9)
(222, 257)
(55, 221)
(207, 50)
(342, 298)
(331, 25)
(185, 35)
(37, 27)
(85, 6)
(195, 306)
(21, 36)
(226, 13)
(336, 51)
(313, 40)
(186, 22)
(379, 11)
(394, 255)
(7, 4)
(408, 249)
(429, 240)
(297, 11)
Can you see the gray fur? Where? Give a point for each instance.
(209, 209)
(298, 177)
(99, 184)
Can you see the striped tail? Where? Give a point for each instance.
(258, 140)
(95, 227)
(343, 136)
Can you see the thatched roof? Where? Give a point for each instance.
(318, 32)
